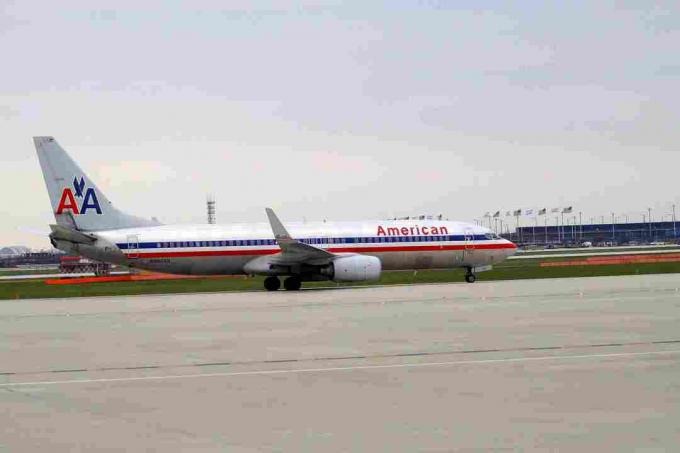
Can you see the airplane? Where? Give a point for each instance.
(88, 224)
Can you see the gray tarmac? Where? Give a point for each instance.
(588, 364)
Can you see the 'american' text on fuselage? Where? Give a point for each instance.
(414, 230)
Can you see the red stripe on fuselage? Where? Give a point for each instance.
(257, 252)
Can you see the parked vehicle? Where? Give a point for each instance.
(80, 265)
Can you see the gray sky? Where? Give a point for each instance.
(342, 110)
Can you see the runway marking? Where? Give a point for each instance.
(337, 358)
(347, 368)
(460, 299)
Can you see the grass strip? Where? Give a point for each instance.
(509, 270)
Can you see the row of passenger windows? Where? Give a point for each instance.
(216, 243)
(319, 241)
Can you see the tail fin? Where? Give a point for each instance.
(76, 200)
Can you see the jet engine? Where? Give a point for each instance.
(354, 268)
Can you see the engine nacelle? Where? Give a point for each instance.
(355, 268)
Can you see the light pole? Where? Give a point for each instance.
(674, 236)
(613, 232)
(649, 211)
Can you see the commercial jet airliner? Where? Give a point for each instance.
(88, 224)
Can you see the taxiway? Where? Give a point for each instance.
(571, 364)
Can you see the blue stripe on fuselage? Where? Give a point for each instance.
(311, 241)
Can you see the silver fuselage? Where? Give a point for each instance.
(226, 249)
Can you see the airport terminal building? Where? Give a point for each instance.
(597, 234)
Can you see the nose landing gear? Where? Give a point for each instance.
(470, 277)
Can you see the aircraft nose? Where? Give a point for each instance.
(511, 248)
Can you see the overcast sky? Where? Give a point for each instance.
(342, 110)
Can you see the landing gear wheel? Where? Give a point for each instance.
(470, 278)
(272, 283)
(292, 284)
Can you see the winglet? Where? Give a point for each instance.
(291, 247)
(280, 232)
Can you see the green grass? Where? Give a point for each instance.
(510, 270)
(589, 251)
(13, 272)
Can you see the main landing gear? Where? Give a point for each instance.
(272, 283)
(292, 283)
(470, 277)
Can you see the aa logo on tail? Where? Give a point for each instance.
(68, 199)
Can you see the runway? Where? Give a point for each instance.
(571, 364)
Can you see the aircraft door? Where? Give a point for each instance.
(133, 246)
(468, 247)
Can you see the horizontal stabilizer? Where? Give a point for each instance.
(62, 233)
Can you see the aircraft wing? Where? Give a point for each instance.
(293, 250)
